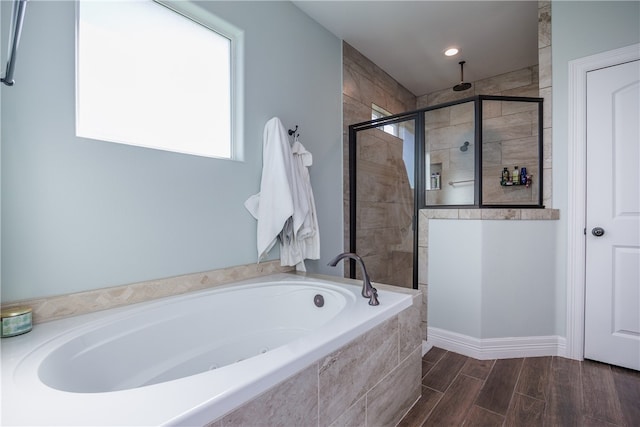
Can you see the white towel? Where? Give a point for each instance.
(307, 236)
(284, 205)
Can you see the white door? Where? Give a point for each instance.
(612, 293)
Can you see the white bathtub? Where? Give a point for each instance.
(183, 360)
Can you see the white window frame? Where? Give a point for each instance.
(214, 23)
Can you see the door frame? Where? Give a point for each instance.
(577, 186)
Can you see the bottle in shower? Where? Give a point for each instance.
(523, 176)
(505, 176)
(515, 177)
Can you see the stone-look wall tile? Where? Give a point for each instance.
(544, 24)
(354, 59)
(423, 265)
(462, 113)
(500, 214)
(434, 119)
(392, 398)
(540, 214)
(384, 223)
(375, 85)
(495, 194)
(57, 307)
(355, 84)
(441, 213)
(400, 271)
(492, 154)
(450, 136)
(292, 402)
(547, 113)
(347, 374)
(544, 57)
(509, 107)
(547, 191)
(521, 152)
(506, 81)
(442, 96)
(423, 314)
(438, 158)
(355, 416)
(503, 121)
(423, 231)
(531, 91)
(469, 214)
(409, 327)
(547, 141)
(354, 112)
(462, 159)
(507, 127)
(491, 109)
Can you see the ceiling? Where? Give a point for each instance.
(407, 39)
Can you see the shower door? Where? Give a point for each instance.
(382, 204)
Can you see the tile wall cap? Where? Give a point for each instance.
(493, 214)
(60, 306)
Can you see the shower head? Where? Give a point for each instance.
(462, 85)
(465, 146)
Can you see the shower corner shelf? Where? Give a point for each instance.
(510, 184)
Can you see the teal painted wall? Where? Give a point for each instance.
(81, 214)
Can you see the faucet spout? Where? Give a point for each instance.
(368, 291)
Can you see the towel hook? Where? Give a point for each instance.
(293, 131)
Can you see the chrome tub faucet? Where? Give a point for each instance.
(368, 291)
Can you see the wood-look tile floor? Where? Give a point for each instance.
(533, 391)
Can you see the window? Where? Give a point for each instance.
(159, 75)
(378, 113)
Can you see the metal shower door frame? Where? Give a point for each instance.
(419, 167)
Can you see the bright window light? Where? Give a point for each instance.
(151, 77)
(378, 112)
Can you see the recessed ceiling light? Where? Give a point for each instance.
(451, 51)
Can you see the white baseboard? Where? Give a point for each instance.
(496, 348)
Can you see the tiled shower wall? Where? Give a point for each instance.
(510, 139)
(385, 209)
(544, 65)
(364, 83)
(384, 195)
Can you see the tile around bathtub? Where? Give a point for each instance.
(356, 415)
(409, 327)
(392, 397)
(57, 307)
(292, 402)
(348, 373)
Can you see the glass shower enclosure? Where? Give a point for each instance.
(382, 198)
(478, 152)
